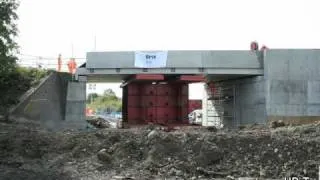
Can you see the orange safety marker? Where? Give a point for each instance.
(72, 66)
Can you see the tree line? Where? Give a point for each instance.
(14, 80)
(106, 103)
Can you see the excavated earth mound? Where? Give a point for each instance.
(29, 152)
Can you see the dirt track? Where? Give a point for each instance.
(29, 152)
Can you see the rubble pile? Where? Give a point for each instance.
(151, 153)
(99, 122)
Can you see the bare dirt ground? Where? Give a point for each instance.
(28, 151)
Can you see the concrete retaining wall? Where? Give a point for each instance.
(47, 102)
(292, 84)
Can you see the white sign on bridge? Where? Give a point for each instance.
(152, 59)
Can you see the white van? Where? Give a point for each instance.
(195, 117)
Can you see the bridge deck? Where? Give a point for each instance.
(117, 65)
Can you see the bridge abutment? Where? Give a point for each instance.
(76, 105)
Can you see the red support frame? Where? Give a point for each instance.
(154, 77)
(158, 103)
(193, 78)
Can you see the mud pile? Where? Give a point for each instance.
(148, 153)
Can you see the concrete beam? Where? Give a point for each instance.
(179, 59)
(127, 71)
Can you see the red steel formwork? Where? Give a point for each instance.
(134, 115)
(160, 103)
(148, 89)
(133, 101)
(166, 101)
(194, 104)
(156, 103)
(166, 90)
(133, 89)
(147, 115)
(148, 101)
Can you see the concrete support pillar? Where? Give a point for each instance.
(76, 104)
(240, 102)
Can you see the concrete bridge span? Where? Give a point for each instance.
(116, 66)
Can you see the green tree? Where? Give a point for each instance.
(107, 102)
(109, 92)
(8, 32)
(91, 97)
(14, 80)
(11, 81)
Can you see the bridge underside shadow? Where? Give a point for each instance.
(245, 93)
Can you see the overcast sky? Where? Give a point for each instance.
(50, 27)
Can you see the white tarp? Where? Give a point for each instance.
(152, 59)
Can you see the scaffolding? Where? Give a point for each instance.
(220, 108)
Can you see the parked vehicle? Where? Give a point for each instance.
(195, 117)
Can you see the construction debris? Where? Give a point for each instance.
(29, 152)
(278, 123)
(104, 156)
(99, 123)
